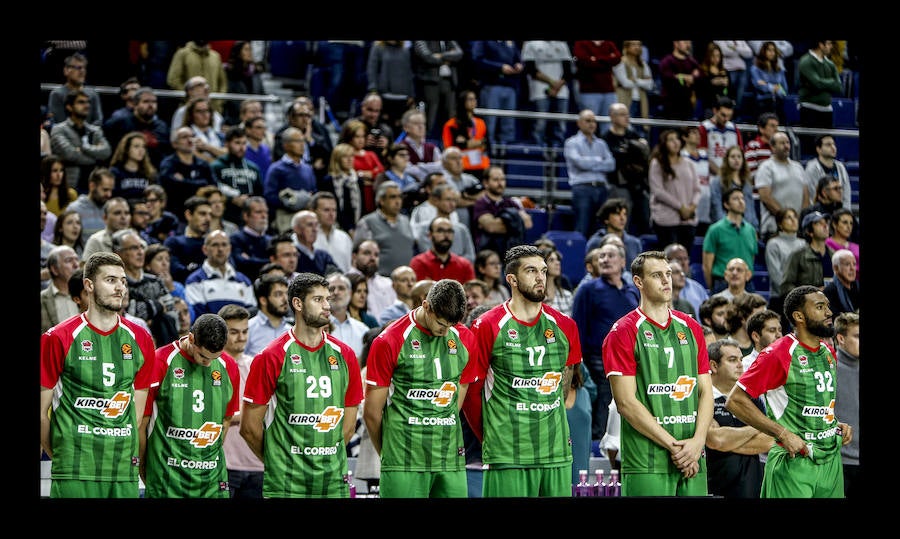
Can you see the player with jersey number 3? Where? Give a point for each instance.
(658, 369)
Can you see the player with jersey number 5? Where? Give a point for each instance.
(188, 414)
(797, 374)
(310, 384)
(527, 352)
(658, 369)
(96, 369)
(418, 371)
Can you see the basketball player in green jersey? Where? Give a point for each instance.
(188, 414)
(96, 369)
(797, 375)
(416, 382)
(527, 351)
(310, 384)
(658, 369)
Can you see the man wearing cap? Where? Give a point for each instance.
(808, 264)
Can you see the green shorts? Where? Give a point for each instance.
(78, 488)
(397, 484)
(802, 477)
(663, 484)
(551, 481)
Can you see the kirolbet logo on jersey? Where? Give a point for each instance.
(127, 351)
(112, 407)
(678, 391)
(324, 422)
(216, 377)
(549, 335)
(451, 344)
(439, 397)
(206, 434)
(825, 412)
(546, 385)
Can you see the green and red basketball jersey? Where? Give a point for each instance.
(800, 386)
(94, 374)
(522, 362)
(420, 427)
(666, 362)
(185, 455)
(307, 390)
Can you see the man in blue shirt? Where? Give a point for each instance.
(597, 304)
(588, 161)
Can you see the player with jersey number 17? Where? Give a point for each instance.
(527, 351)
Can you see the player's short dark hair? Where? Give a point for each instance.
(210, 332)
(447, 299)
(796, 298)
(637, 265)
(515, 254)
(303, 283)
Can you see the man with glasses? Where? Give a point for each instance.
(379, 135)
(75, 72)
(319, 145)
(149, 299)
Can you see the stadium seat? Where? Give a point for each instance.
(571, 245)
(540, 221)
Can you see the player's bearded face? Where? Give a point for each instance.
(819, 328)
(316, 317)
(536, 291)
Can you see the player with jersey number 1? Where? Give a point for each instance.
(311, 384)
(96, 369)
(188, 414)
(527, 352)
(658, 368)
(418, 371)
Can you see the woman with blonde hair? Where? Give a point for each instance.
(365, 162)
(345, 183)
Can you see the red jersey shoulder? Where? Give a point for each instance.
(491, 317)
